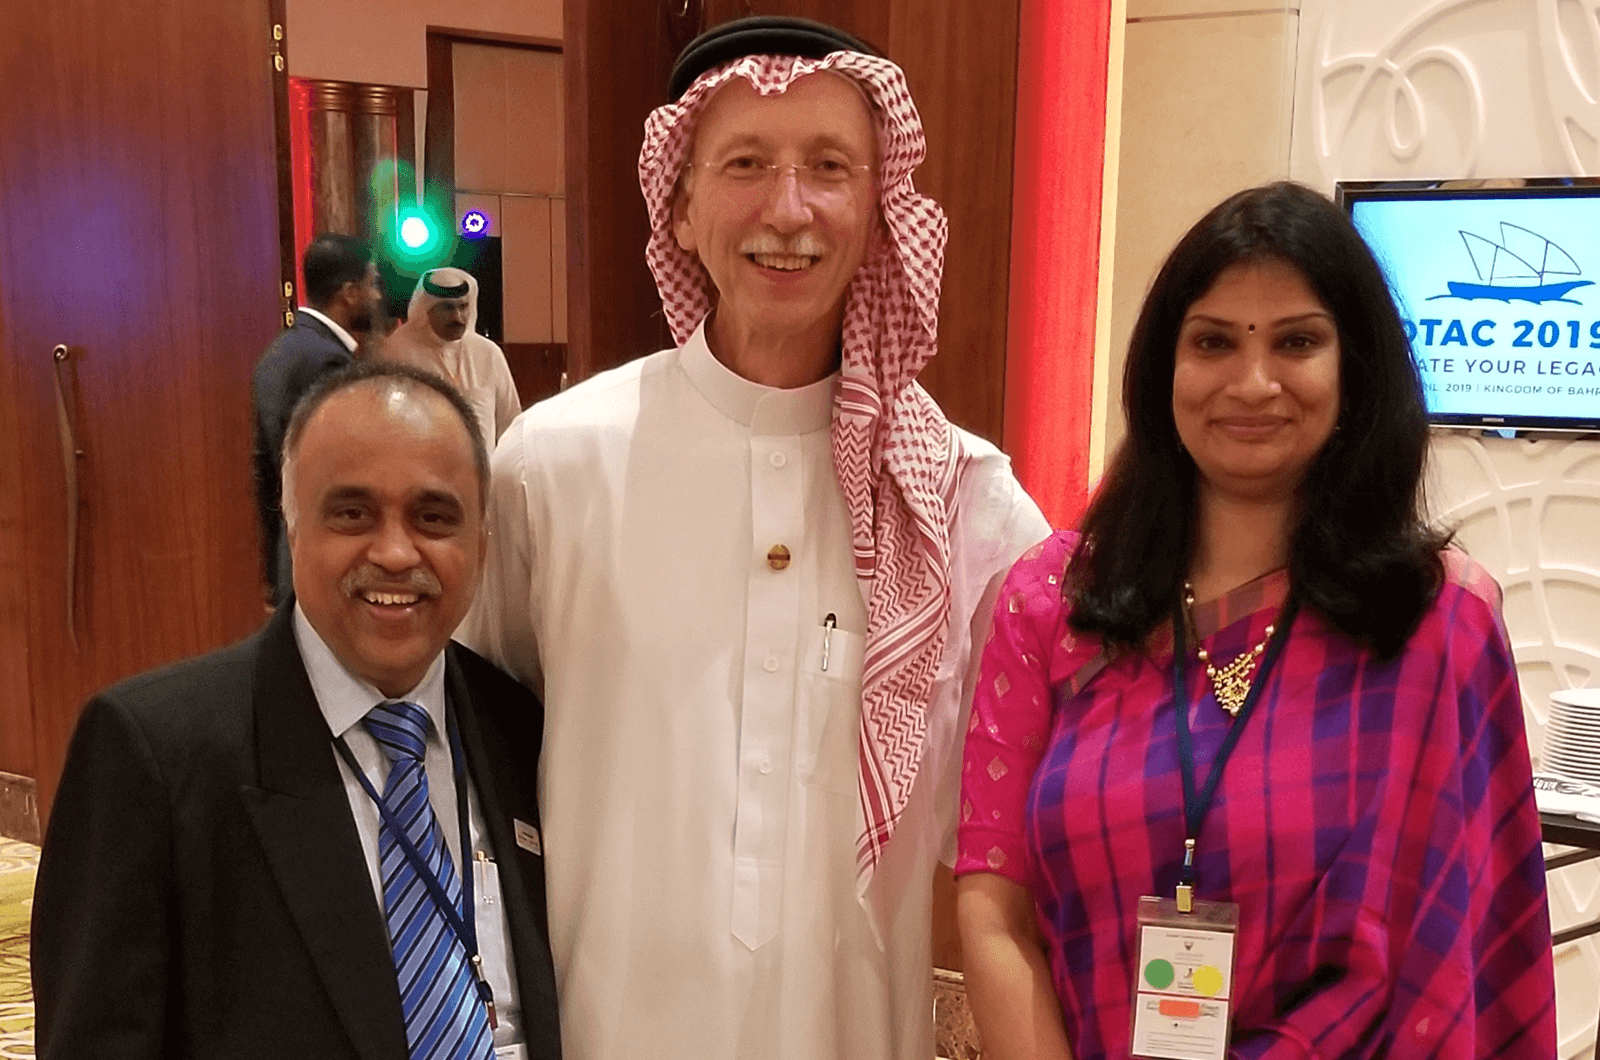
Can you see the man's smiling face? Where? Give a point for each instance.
(386, 528)
(781, 247)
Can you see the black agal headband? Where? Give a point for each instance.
(439, 291)
(759, 35)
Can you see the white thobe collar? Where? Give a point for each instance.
(763, 409)
(339, 333)
(345, 698)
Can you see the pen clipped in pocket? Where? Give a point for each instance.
(828, 711)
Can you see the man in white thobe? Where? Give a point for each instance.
(750, 575)
(438, 336)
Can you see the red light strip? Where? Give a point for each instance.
(1055, 248)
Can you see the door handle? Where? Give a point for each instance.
(70, 455)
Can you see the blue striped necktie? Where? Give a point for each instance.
(445, 1016)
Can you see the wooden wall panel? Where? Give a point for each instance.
(558, 270)
(536, 157)
(480, 117)
(536, 367)
(16, 703)
(618, 54)
(866, 19)
(439, 130)
(140, 227)
(525, 243)
(960, 60)
(505, 124)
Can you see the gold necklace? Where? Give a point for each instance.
(1231, 684)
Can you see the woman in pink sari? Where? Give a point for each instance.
(1256, 603)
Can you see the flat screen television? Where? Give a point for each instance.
(1499, 288)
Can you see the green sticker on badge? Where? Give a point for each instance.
(1158, 973)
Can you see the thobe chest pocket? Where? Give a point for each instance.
(828, 711)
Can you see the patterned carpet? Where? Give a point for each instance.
(18, 862)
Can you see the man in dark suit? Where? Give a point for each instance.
(342, 289)
(258, 853)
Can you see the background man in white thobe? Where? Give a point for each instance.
(750, 574)
(439, 336)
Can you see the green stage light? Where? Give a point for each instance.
(415, 232)
(416, 239)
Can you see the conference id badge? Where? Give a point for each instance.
(491, 921)
(1183, 986)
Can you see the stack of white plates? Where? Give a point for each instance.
(1572, 739)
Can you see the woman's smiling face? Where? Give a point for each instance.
(1255, 384)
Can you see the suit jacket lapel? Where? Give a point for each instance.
(494, 773)
(302, 819)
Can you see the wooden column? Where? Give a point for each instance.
(334, 203)
(374, 136)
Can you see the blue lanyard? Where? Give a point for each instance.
(1195, 806)
(463, 921)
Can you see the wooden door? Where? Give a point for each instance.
(139, 228)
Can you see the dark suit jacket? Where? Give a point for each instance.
(202, 891)
(291, 365)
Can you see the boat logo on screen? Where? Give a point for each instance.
(1514, 346)
(1521, 265)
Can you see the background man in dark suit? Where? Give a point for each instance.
(342, 288)
(222, 878)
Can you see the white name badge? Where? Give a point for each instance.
(527, 837)
(511, 1052)
(1183, 986)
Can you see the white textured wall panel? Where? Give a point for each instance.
(1453, 88)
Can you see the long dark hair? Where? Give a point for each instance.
(1360, 551)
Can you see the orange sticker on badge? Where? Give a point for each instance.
(1180, 1009)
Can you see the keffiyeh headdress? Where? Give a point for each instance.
(896, 455)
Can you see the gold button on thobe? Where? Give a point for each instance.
(778, 557)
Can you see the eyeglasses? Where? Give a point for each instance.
(747, 173)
